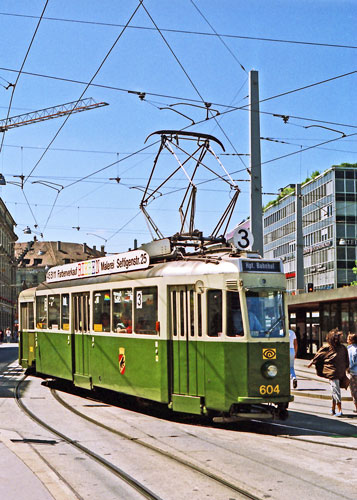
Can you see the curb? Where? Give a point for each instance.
(318, 396)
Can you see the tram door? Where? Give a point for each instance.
(184, 356)
(81, 320)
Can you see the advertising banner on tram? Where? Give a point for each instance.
(117, 263)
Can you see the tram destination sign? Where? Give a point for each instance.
(117, 263)
(261, 266)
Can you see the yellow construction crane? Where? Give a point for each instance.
(48, 113)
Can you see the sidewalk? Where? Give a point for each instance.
(312, 386)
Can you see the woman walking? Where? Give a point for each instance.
(352, 354)
(332, 362)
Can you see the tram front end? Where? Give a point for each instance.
(257, 379)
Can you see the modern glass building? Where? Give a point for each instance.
(329, 215)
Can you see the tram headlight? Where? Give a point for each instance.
(270, 370)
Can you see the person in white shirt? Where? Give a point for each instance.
(8, 334)
(293, 353)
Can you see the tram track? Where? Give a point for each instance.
(223, 482)
(131, 481)
(195, 467)
(317, 433)
(145, 492)
(244, 493)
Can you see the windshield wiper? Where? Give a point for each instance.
(281, 318)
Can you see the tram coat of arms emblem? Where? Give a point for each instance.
(121, 359)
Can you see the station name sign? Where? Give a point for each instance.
(117, 263)
(261, 266)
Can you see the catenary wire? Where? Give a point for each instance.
(230, 107)
(194, 86)
(219, 37)
(86, 88)
(153, 143)
(172, 52)
(82, 94)
(189, 78)
(20, 70)
(187, 32)
(282, 94)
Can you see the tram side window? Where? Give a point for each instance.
(199, 314)
(122, 310)
(145, 312)
(31, 316)
(41, 312)
(27, 317)
(54, 312)
(234, 315)
(214, 313)
(101, 311)
(65, 311)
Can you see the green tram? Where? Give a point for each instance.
(203, 334)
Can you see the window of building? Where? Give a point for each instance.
(145, 310)
(37, 262)
(41, 312)
(122, 310)
(324, 234)
(214, 313)
(101, 311)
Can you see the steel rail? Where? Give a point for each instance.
(145, 492)
(186, 463)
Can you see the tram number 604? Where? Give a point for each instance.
(267, 390)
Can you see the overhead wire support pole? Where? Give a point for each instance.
(256, 208)
(49, 113)
(299, 256)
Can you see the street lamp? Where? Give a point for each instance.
(28, 230)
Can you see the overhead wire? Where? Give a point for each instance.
(219, 37)
(156, 142)
(85, 89)
(20, 70)
(188, 32)
(306, 149)
(230, 107)
(211, 117)
(172, 52)
(29, 206)
(189, 78)
(82, 94)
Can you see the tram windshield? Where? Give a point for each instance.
(266, 314)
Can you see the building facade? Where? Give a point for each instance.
(7, 268)
(329, 230)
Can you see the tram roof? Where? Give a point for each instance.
(212, 264)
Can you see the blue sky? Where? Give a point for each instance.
(141, 61)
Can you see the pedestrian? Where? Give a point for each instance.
(352, 354)
(331, 362)
(293, 354)
(8, 334)
(1, 335)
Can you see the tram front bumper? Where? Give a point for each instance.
(258, 400)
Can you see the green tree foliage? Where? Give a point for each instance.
(314, 174)
(354, 269)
